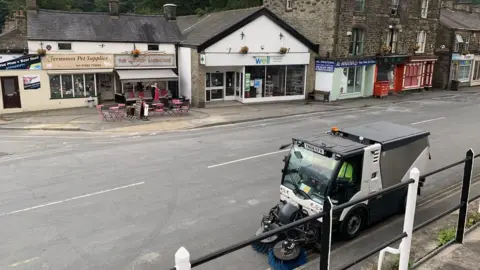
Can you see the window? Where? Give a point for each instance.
(466, 44)
(359, 5)
(72, 86)
(424, 10)
(356, 42)
(214, 85)
(394, 10)
(65, 46)
(152, 47)
(274, 81)
(354, 79)
(421, 37)
(476, 71)
(464, 70)
(458, 41)
(392, 37)
(412, 75)
(288, 5)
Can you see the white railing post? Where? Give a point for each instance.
(182, 259)
(404, 249)
(408, 221)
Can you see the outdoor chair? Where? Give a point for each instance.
(184, 107)
(121, 112)
(106, 113)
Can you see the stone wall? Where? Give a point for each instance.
(315, 19)
(198, 80)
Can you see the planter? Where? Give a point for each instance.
(283, 50)
(244, 50)
(42, 52)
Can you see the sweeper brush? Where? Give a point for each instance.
(285, 255)
(263, 246)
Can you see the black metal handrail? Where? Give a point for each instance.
(329, 210)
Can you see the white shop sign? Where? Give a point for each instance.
(237, 59)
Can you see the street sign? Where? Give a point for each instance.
(202, 59)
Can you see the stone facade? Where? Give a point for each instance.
(14, 33)
(329, 23)
(198, 80)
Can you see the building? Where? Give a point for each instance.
(458, 40)
(13, 38)
(364, 42)
(249, 55)
(97, 55)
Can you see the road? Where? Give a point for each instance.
(96, 201)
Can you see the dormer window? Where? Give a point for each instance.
(394, 10)
(288, 5)
(152, 47)
(64, 46)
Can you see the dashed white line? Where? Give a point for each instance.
(70, 199)
(247, 158)
(24, 262)
(429, 120)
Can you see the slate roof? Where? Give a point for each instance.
(460, 20)
(14, 40)
(204, 31)
(101, 27)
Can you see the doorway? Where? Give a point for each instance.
(230, 85)
(238, 86)
(214, 86)
(10, 93)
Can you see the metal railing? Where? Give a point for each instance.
(182, 257)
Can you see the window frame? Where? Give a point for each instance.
(60, 44)
(392, 39)
(72, 76)
(394, 7)
(149, 47)
(421, 41)
(424, 9)
(354, 49)
(355, 74)
(361, 4)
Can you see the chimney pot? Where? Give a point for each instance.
(113, 6)
(170, 12)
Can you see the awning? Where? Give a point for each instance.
(147, 74)
(79, 71)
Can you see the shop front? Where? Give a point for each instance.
(475, 71)
(80, 76)
(461, 68)
(137, 75)
(344, 79)
(255, 78)
(418, 72)
(390, 69)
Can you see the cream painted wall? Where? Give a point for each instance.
(261, 31)
(95, 47)
(38, 99)
(185, 72)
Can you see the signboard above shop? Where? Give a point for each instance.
(25, 62)
(330, 65)
(457, 56)
(324, 65)
(145, 61)
(77, 61)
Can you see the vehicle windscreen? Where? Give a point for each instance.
(309, 173)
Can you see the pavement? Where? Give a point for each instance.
(103, 200)
(87, 119)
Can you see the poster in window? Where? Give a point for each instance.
(31, 82)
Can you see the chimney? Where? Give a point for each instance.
(113, 6)
(170, 12)
(32, 5)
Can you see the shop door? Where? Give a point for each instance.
(215, 86)
(238, 85)
(11, 93)
(230, 85)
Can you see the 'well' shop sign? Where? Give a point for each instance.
(146, 60)
(77, 61)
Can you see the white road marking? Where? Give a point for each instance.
(247, 158)
(429, 120)
(24, 262)
(58, 151)
(70, 199)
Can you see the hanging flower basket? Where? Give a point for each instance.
(244, 49)
(283, 50)
(135, 52)
(41, 52)
(385, 49)
(465, 52)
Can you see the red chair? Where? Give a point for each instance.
(141, 94)
(158, 108)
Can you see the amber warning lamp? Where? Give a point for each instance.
(334, 129)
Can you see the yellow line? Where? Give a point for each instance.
(23, 262)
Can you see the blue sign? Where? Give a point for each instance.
(324, 65)
(24, 62)
(355, 63)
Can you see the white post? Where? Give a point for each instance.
(409, 218)
(382, 255)
(182, 259)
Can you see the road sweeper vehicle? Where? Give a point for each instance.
(344, 165)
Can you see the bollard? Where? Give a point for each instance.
(182, 259)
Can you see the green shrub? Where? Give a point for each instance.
(473, 219)
(446, 235)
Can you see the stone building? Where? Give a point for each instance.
(363, 42)
(13, 38)
(458, 39)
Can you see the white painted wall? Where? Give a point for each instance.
(261, 31)
(185, 72)
(323, 81)
(95, 47)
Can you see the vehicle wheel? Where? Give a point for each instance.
(352, 224)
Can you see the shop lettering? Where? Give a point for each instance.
(262, 60)
(144, 60)
(76, 58)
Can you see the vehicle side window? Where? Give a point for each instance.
(349, 179)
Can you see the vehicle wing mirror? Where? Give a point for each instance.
(298, 154)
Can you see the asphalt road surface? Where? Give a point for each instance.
(96, 201)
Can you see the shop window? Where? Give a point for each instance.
(464, 70)
(257, 81)
(394, 9)
(72, 86)
(424, 9)
(356, 41)
(275, 82)
(214, 83)
(359, 5)
(354, 79)
(421, 38)
(412, 75)
(152, 47)
(476, 71)
(65, 46)
(295, 80)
